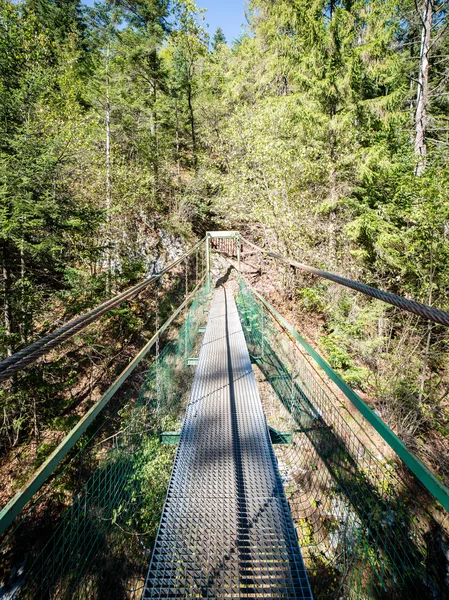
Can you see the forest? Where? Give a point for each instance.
(127, 130)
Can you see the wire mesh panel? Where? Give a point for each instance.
(226, 530)
(364, 522)
(101, 546)
(226, 246)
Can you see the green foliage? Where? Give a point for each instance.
(156, 466)
(300, 131)
(43, 451)
(311, 299)
(341, 359)
(218, 40)
(338, 356)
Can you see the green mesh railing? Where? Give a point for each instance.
(100, 547)
(366, 526)
(364, 522)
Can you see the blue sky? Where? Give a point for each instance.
(227, 14)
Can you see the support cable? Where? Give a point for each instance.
(427, 312)
(22, 497)
(416, 466)
(30, 354)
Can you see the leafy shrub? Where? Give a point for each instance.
(311, 299)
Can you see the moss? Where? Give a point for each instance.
(44, 452)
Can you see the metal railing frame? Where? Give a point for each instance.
(21, 359)
(422, 473)
(11, 510)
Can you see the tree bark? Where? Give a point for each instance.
(108, 176)
(154, 133)
(7, 307)
(192, 121)
(178, 163)
(333, 190)
(422, 96)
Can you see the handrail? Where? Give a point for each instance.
(417, 308)
(423, 474)
(9, 366)
(24, 495)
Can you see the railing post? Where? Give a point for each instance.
(187, 323)
(208, 262)
(238, 252)
(263, 334)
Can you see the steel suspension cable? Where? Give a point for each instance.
(10, 511)
(11, 365)
(428, 312)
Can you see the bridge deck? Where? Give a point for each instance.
(226, 529)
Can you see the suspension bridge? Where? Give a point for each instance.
(283, 484)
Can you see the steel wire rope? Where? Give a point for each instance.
(353, 450)
(11, 365)
(423, 310)
(374, 478)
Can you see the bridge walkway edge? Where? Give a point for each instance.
(226, 529)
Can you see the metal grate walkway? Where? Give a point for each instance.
(226, 529)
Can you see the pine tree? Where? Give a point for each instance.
(38, 210)
(218, 40)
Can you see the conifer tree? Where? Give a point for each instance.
(218, 40)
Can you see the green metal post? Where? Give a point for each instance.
(238, 252)
(427, 478)
(10, 511)
(208, 263)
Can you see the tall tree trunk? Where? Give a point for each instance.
(178, 163)
(412, 82)
(333, 191)
(108, 175)
(192, 121)
(7, 307)
(422, 97)
(154, 134)
(422, 101)
(23, 303)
